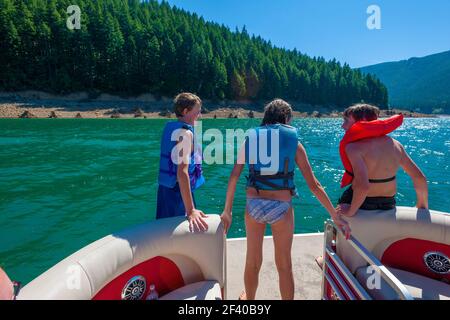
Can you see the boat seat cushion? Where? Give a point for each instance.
(420, 287)
(203, 290)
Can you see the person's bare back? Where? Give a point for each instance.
(382, 157)
(375, 162)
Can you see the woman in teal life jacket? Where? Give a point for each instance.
(270, 188)
(180, 171)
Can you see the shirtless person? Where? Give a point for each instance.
(375, 162)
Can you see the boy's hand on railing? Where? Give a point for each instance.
(422, 205)
(342, 225)
(226, 218)
(196, 222)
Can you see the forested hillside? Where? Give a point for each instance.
(417, 83)
(133, 47)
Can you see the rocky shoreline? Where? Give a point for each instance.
(8, 110)
(35, 104)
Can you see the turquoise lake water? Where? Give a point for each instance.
(67, 182)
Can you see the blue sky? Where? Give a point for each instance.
(337, 28)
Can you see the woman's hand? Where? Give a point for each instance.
(196, 222)
(226, 218)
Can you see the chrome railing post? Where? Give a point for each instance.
(391, 280)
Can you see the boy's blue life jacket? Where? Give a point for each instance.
(168, 169)
(281, 175)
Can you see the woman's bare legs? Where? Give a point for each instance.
(283, 233)
(255, 236)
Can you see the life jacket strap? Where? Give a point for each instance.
(256, 176)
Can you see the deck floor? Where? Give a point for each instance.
(307, 275)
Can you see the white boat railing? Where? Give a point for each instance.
(342, 282)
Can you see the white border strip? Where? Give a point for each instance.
(298, 235)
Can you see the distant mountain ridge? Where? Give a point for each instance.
(417, 83)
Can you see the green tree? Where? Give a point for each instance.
(238, 85)
(132, 47)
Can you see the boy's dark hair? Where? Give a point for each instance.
(185, 100)
(362, 112)
(277, 111)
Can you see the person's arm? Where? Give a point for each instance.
(6, 286)
(418, 178)
(195, 217)
(227, 214)
(360, 183)
(316, 188)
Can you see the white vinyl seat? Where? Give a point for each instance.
(196, 256)
(203, 290)
(420, 287)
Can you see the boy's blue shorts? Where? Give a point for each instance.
(170, 203)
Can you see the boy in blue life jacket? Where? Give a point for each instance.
(180, 170)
